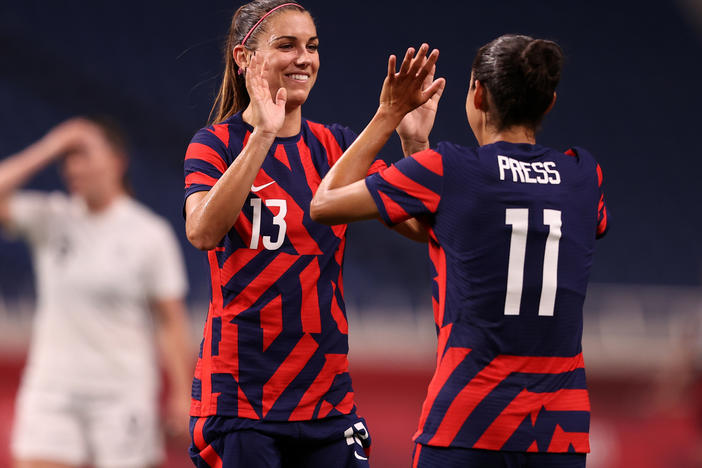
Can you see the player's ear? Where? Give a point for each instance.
(480, 97)
(241, 56)
(550, 106)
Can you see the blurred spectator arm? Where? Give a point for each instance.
(178, 359)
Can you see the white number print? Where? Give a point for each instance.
(355, 436)
(278, 220)
(518, 218)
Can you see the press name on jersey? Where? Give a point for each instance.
(544, 172)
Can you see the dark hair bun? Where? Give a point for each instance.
(520, 74)
(541, 63)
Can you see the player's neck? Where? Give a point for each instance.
(99, 204)
(293, 120)
(516, 134)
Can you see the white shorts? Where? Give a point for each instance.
(105, 430)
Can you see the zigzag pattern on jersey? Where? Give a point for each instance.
(519, 403)
(412, 197)
(480, 398)
(275, 342)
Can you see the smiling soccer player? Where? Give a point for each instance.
(272, 386)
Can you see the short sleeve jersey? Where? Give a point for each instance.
(512, 234)
(97, 276)
(275, 341)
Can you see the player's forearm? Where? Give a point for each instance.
(20, 167)
(354, 163)
(176, 350)
(342, 196)
(215, 214)
(411, 146)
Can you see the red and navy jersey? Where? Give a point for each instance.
(512, 233)
(275, 341)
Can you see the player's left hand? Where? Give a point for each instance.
(416, 126)
(405, 90)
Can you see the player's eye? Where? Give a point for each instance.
(286, 46)
(312, 47)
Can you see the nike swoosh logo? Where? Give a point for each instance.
(358, 456)
(255, 189)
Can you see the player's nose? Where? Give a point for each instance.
(303, 57)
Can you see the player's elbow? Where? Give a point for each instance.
(323, 209)
(318, 213)
(202, 243)
(201, 239)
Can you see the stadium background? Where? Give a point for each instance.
(629, 93)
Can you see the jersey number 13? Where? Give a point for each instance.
(278, 220)
(518, 218)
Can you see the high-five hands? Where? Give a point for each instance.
(416, 126)
(408, 89)
(267, 114)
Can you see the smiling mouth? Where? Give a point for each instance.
(302, 78)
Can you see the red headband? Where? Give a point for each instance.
(266, 16)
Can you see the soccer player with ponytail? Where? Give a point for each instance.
(271, 386)
(512, 228)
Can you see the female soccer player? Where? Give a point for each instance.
(104, 265)
(271, 386)
(512, 227)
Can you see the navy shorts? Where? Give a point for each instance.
(426, 456)
(219, 441)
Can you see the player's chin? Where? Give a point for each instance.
(296, 97)
(76, 187)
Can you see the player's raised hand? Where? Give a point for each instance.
(416, 125)
(405, 90)
(75, 133)
(268, 112)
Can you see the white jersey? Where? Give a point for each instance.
(97, 275)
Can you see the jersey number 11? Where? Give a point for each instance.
(518, 218)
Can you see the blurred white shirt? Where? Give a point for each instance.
(97, 275)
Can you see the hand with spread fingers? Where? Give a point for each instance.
(268, 113)
(406, 90)
(416, 126)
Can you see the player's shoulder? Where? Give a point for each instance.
(579, 154)
(333, 127)
(147, 220)
(342, 134)
(54, 197)
(452, 155)
(55, 202)
(449, 149)
(582, 162)
(225, 134)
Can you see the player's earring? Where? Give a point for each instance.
(241, 71)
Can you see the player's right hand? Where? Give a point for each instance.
(405, 90)
(72, 134)
(268, 113)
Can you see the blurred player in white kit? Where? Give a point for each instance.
(110, 282)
